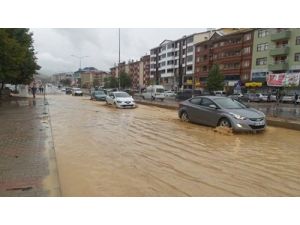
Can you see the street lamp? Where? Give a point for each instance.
(80, 58)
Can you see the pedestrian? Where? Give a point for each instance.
(33, 90)
(42, 89)
(296, 98)
(269, 97)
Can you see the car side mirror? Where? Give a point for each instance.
(213, 106)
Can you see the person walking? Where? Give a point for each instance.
(33, 90)
(296, 98)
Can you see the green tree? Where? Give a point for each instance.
(111, 82)
(96, 82)
(17, 56)
(215, 80)
(125, 80)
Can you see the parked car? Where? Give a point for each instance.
(98, 95)
(186, 94)
(235, 96)
(68, 90)
(264, 98)
(154, 92)
(287, 99)
(170, 93)
(222, 111)
(77, 92)
(219, 93)
(120, 99)
(252, 97)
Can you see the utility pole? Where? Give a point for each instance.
(80, 58)
(119, 59)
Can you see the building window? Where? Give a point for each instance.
(263, 33)
(190, 40)
(189, 58)
(169, 70)
(189, 68)
(247, 37)
(170, 62)
(197, 69)
(246, 63)
(198, 49)
(262, 47)
(261, 61)
(190, 49)
(298, 40)
(297, 57)
(183, 60)
(170, 54)
(163, 56)
(162, 71)
(198, 59)
(169, 46)
(246, 50)
(162, 63)
(163, 48)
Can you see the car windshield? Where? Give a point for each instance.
(228, 103)
(160, 90)
(99, 93)
(122, 95)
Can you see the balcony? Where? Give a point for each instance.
(279, 65)
(280, 51)
(281, 35)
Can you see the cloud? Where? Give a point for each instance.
(55, 46)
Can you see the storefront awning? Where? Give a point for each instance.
(253, 84)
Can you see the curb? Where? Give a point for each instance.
(270, 121)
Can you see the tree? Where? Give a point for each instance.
(215, 80)
(17, 56)
(96, 82)
(110, 82)
(125, 80)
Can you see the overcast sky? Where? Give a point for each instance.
(54, 47)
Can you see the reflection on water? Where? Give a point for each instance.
(148, 151)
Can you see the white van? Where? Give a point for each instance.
(154, 92)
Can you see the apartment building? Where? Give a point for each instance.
(90, 78)
(139, 71)
(172, 62)
(56, 78)
(275, 51)
(134, 73)
(145, 71)
(232, 52)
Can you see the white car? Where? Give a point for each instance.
(120, 99)
(288, 99)
(77, 92)
(169, 93)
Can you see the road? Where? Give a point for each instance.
(148, 151)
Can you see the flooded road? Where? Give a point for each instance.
(148, 151)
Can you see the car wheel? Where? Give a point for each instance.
(184, 117)
(224, 122)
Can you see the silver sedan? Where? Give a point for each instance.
(222, 111)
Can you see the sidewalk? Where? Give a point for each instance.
(27, 157)
(272, 118)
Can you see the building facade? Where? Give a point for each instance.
(232, 52)
(275, 50)
(56, 78)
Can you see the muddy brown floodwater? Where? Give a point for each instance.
(148, 151)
